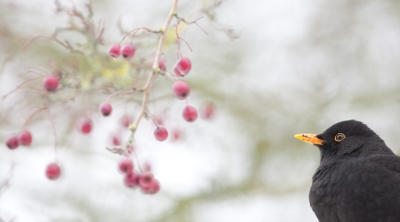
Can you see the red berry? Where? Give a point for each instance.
(177, 135)
(125, 120)
(153, 188)
(12, 142)
(177, 71)
(128, 50)
(25, 138)
(208, 110)
(131, 179)
(50, 83)
(145, 180)
(146, 167)
(131, 149)
(116, 140)
(105, 109)
(182, 66)
(86, 126)
(161, 133)
(125, 166)
(113, 51)
(53, 171)
(159, 119)
(161, 64)
(189, 113)
(181, 89)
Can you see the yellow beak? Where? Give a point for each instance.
(309, 138)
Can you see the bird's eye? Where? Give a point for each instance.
(339, 137)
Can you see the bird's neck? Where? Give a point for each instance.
(373, 148)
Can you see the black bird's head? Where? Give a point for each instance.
(346, 138)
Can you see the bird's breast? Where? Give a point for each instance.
(355, 190)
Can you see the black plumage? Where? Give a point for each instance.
(358, 179)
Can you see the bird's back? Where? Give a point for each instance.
(360, 189)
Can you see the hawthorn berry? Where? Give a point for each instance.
(148, 184)
(50, 83)
(145, 180)
(177, 135)
(125, 166)
(181, 89)
(208, 110)
(127, 50)
(161, 64)
(160, 133)
(159, 119)
(12, 142)
(131, 149)
(153, 188)
(25, 138)
(177, 71)
(113, 51)
(182, 67)
(147, 167)
(131, 179)
(53, 171)
(189, 113)
(86, 126)
(105, 109)
(125, 120)
(116, 140)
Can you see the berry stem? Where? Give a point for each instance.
(19, 86)
(30, 118)
(54, 132)
(187, 44)
(26, 45)
(179, 53)
(137, 161)
(152, 119)
(35, 71)
(192, 22)
(153, 74)
(134, 33)
(118, 93)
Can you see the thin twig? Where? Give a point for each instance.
(54, 133)
(192, 22)
(119, 93)
(136, 30)
(33, 70)
(29, 120)
(19, 86)
(153, 74)
(34, 39)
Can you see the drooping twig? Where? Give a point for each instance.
(54, 133)
(19, 86)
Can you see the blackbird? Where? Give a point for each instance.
(358, 179)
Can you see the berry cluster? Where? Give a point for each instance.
(127, 51)
(23, 138)
(180, 88)
(132, 179)
(69, 83)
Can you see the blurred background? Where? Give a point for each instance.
(272, 69)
